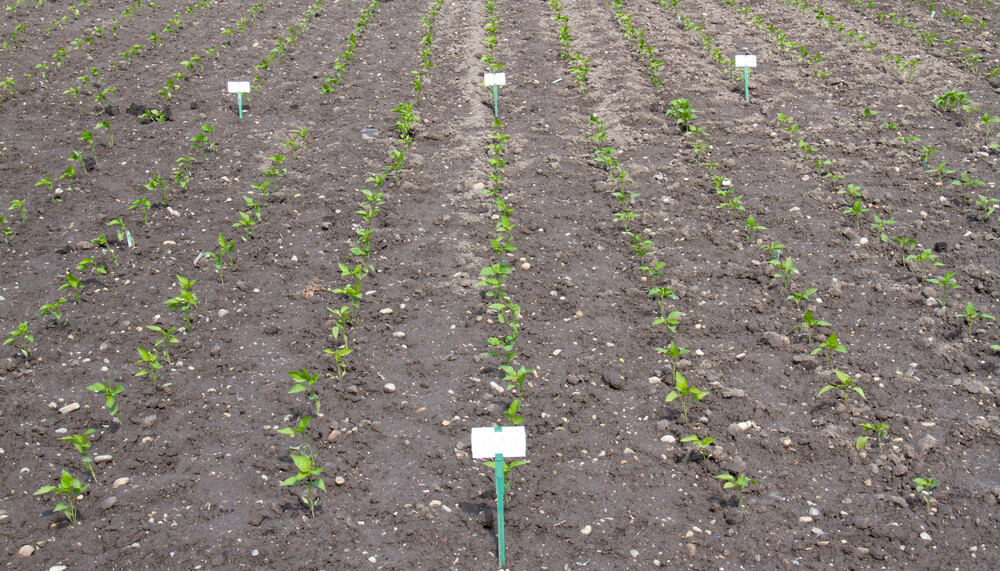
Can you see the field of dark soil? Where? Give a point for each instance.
(644, 225)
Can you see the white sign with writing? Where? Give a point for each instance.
(510, 441)
(239, 87)
(495, 79)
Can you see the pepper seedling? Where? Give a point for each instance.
(157, 184)
(673, 353)
(701, 444)
(166, 339)
(740, 483)
(845, 384)
(688, 394)
(924, 488)
(69, 487)
(922, 259)
(946, 283)
(308, 471)
(752, 227)
(151, 359)
(185, 301)
(810, 323)
(21, 336)
(111, 396)
(106, 248)
(857, 210)
(881, 225)
(304, 382)
(145, 205)
(878, 431)
(799, 297)
(18, 205)
(225, 251)
(82, 444)
(786, 269)
(829, 348)
(53, 310)
(971, 316)
(46, 182)
(123, 233)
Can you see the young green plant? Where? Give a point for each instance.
(701, 444)
(924, 488)
(878, 431)
(972, 316)
(110, 397)
(687, 394)
(305, 383)
(21, 337)
(740, 483)
(82, 444)
(830, 347)
(71, 488)
(150, 360)
(185, 301)
(845, 386)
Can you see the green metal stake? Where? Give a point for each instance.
(498, 477)
(239, 102)
(496, 108)
(746, 82)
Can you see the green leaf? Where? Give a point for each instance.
(303, 463)
(293, 480)
(45, 490)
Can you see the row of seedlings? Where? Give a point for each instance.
(183, 303)
(495, 275)
(358, 267)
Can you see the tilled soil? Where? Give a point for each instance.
(195, 465)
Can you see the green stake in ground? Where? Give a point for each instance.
(239, 88)
(746, 62)
(495, 80)
(496, 444)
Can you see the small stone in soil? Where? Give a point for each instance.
(389, 388)
(69, 408)
(120, 482)
(586, 530)
(25, 551)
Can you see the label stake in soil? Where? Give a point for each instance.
(495, 80)
(495, 443)
(239, 88)
(746, 62)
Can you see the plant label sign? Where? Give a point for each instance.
(495, 443)
(509, 441)
(746, 62)
(239, 88)
(494, 80)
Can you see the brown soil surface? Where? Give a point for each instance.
(608, 484)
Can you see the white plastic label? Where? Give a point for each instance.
(510, 441)
(745, 61)
(495, 78)
(239, 87)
